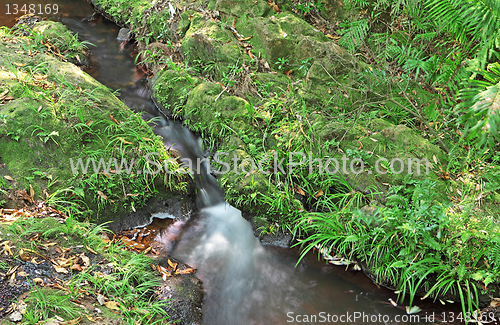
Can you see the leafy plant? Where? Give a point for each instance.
(282, 63)
(477, 19)
(479, 108)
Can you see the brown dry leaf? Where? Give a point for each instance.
(21, 273)
(7, 177)
(124, 141)
(249, 53)
(114, 120)
(22, 194)
(11, 271)
(186, 271)
(90, 318)
(112, 305)
(90, 249)
(332, 37)
(32, 192)
(178, 6)
(60, 269)
(38, 281)
(319, 193)
(64, 262)
(2, 95)
(245, 38)
(495, 303)
(300, 191)
(132, 243)
(72, 322)
(19, 64)
(101, 194)
(435, 159)
(147, 139)
(76, 267)
(7, 250)
(85, 259)
(23, 255)
(172, 264)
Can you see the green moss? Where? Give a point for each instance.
(59, 115)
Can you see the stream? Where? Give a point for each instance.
(245, 282)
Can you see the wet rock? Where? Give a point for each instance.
(279, 239)
(123, 34)
(15, 317)
(162, 205)
(187, 295)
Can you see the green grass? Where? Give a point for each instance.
(413, 244)
(119, 275)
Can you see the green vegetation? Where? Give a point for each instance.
(405, 79)
(65, 116)
(412, 79)
(118, 279)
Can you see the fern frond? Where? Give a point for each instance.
(354, 35)
(481, 108)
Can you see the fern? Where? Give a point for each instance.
(354, 34)
(493, 253)
(478, 20)
(480, 107)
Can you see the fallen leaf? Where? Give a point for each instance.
(172, 264)
(85, 259)
(319, 193)
(90, 318)
(495, 302)
(23, 255)
(185, 271)
(112, 305)
(7, 177)
(91, 250)
(124, 141)
(147, 139)
(76, 267)
(101, 299)
(332, 37)
(7, 250)
(19, 64)
(60, 269)
(38, 281)
(245, 38)
(300, 191)
(113, 118)
(435, 159)
(101, 194)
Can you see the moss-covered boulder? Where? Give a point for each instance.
(65, 137)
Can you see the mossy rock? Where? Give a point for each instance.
(171, 88)
(206, 41)
(58, 114)
(240, 8)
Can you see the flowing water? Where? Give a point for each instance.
(245, 282)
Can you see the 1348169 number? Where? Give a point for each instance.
(32, 8)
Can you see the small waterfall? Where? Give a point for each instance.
(244, 284)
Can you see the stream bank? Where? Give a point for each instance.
(258, 82)
(311, 192)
